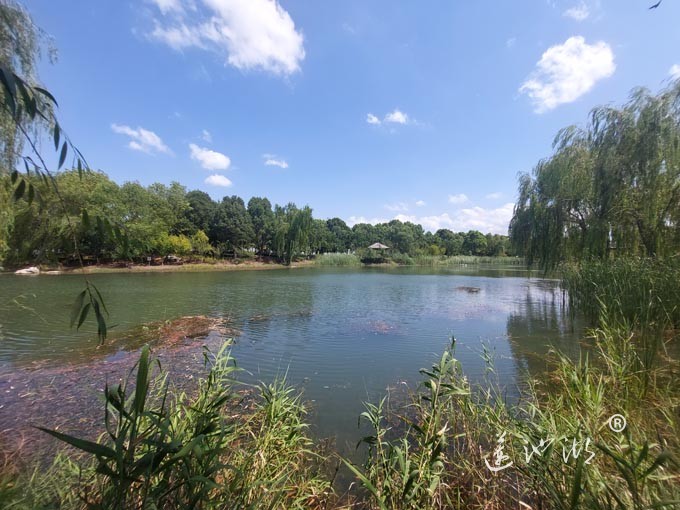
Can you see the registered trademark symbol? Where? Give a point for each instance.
(617, 423)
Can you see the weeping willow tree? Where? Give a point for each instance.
(609, 189)
(292, 231)
(27, 111)
(21, 45)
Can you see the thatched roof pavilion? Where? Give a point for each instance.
(378, 246)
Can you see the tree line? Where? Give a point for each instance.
(161, 220)
(610, 189)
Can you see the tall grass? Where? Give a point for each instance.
(337, 260)
(431, 454)
(642, 291)
(165, 450)
(455, 260)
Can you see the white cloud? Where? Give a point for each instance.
(460, 198)
(250, 34)
(142, 139)
(372, 119)
(206, 136)
(397, 117)
(209, 159)
(420, 203)
(579, 12)
(276, 162)
(399, 206)
(510, 43)
(354, 220)
(218, 180)
(492, 220)
(674, 71)
(567, 71)
(166, 6)
(494, 196)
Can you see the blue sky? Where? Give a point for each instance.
(424, 111)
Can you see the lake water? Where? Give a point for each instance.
(343, 336)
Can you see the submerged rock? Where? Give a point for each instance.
(469, 290)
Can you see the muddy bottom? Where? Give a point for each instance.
(69, 397)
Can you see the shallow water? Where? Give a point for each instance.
(343, 335)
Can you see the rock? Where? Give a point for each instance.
(52, 272)
(28, 270)
(469, 290)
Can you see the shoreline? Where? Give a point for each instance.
(225, 266)
(172, 268)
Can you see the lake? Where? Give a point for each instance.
(343, 336)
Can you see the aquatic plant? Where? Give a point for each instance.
(337, 259)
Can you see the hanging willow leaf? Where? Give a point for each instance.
(101, 323)
(46, 94)
(77, 307)
(8, 82)
(62, 156)
(101, 299)
(56, 136)
(83, 315)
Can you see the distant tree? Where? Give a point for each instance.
(293, 231)
(200, 211)
(341, 235)
(200, 244)
(452, 242)
(262, 218)
(474, 243)
(363, 235)
(231, 225)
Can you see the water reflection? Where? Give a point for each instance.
(343, 336)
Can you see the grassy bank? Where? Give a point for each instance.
(241, 265)
(337, 260)
(402, 259)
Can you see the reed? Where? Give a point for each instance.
(640, 290)
(172, 451)
(337, 260)
(431, 454)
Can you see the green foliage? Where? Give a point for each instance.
(200, 244)
(231, 226)
(611, 189)
(637, 290)
(262, 218)
(431, 453)
(171, 450)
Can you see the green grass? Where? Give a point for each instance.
(455, 260)
(642, 291)
(337, 260)
(431, 453)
